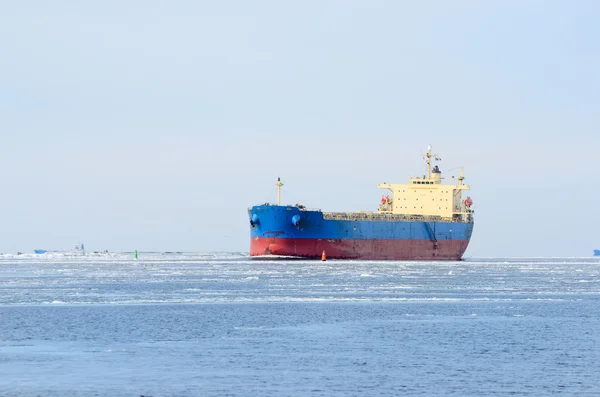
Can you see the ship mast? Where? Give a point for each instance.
(279, 185)
(428, 156)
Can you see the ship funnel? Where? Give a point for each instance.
(436, 174)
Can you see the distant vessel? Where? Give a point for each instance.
(596, 252)
(78, 248)
(421, 220)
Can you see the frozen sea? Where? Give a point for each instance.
(203, 324)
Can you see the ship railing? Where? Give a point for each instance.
(355, 216)
(299, 206)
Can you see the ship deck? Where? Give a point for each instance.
(371, 216)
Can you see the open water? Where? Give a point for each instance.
(186, 324)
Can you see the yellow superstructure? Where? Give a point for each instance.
(427, 195)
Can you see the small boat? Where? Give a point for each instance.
(596, 252)
(77, 249)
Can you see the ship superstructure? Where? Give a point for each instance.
(427, 197)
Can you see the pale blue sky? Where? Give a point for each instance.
(153, 125)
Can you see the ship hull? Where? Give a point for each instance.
(288, 232)
(291, 248)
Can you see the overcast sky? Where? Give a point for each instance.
(154, 125)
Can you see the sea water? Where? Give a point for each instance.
(203, 324)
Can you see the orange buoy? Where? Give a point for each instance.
(323, 257)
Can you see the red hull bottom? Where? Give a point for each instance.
(358, 249)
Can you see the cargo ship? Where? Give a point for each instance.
(426, 219)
